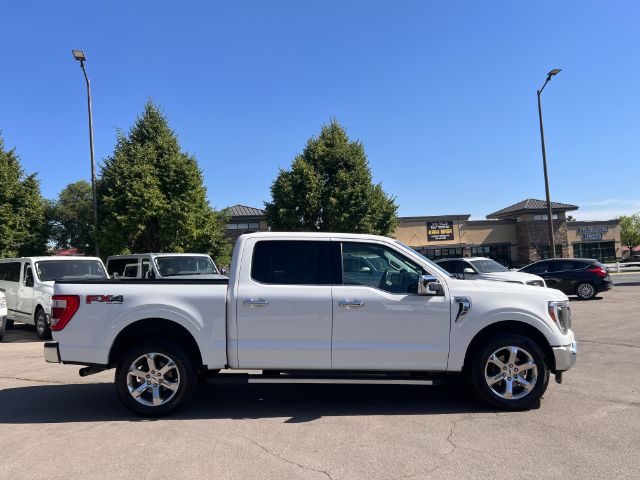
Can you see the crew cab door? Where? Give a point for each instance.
(283, 305)
(381, 323)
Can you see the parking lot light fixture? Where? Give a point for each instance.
(552, 244)
(80, 56)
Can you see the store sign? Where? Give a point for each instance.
(592, 233)
(440, 230)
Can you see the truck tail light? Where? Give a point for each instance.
(63, 308)
(600, 271)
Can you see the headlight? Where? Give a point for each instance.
(560, 313)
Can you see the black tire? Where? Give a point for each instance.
(481, 368)
(3, 325)
(586, 291)
(182, 374)
(42, 325)
(8, 324)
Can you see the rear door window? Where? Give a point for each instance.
(291, 262)
(10, 271)
(564, 266)
(537, 268)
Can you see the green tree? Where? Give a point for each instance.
(152, 198)
(22, 223)
(70, 218)
(329, 188)
(630, 231)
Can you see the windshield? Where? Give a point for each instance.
(488, 266)
(51, 270)
(185, 265)
(429, 262)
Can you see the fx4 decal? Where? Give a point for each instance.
(105, 299)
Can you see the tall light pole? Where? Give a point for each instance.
(79, 55)
(552, 243)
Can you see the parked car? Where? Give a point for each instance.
(481, 268)
(292, 313)
(573, 276)
(163, 265)
(3, 314)
(632, 261)
(28, 285)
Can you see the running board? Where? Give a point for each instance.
(227, 378)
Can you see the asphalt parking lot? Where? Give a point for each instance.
(57, 425)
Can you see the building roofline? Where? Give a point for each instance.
(463, 217)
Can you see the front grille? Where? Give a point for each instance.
(535, 283)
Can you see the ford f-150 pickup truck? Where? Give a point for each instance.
(296, 308)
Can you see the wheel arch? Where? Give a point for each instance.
(154, 328)
(513, 327)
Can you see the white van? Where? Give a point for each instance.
(163, 265)
(28, 285)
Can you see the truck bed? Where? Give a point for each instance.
(199, 306)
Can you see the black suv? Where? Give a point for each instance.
(573, 276)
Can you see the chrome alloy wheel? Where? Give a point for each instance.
(586, 290)
(153, 379)
(511, 373)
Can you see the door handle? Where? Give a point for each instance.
(351, 303)
(256, 302)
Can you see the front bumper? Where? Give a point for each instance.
(52, 352)
(565, 356)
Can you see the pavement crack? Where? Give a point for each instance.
(290, 462)
(611, 344)
(597, 398)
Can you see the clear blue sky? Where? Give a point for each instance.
(441, 93)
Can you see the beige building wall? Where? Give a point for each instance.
(414, 233)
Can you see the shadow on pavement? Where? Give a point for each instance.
(300, 403)
(626, 284)
(21, 333)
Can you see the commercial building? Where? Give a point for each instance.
(245, 220)
(515, 235)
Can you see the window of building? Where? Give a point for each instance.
(545, 217)
(499, 253)
(295, 262)
(603, 251)
(243, 226)
(544, 251)
(438, 253)
(380, 267)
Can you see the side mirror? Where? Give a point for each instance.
(469, 271)
(365, 270)
(429, 285)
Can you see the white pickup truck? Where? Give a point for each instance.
(298, 308)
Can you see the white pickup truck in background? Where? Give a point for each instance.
(298, 307)
(163, 265)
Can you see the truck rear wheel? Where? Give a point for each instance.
(155, 378)
(509, 372)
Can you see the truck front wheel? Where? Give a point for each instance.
(155, 378)
(509, 372)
